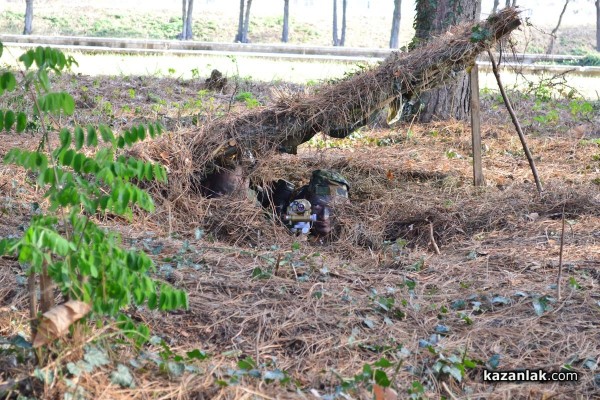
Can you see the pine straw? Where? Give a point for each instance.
(499, 240)
(294, 119)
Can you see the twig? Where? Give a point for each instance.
(560, 255)
(432, 239)
(515, 121)
(447, 389)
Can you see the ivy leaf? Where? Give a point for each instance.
(95, 356)
(122, 377)
(197, 355)
(176, 368)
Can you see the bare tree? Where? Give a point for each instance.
(394, 36)
(555, 30)
(286, 21)
(339, 41)
(495, 8)
(186, 16)
(28, 17)
(343, 37)
(243, 22)
(511, 3)
(598, 25)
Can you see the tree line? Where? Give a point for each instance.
(338, 28)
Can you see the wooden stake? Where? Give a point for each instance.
(515, 121)
(560, 255)
(478, 179)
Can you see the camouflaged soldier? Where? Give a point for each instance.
(325, 190)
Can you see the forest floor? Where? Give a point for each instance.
(279, 317)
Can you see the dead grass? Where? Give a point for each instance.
(317, 315)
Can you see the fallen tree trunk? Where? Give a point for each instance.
(340, 108)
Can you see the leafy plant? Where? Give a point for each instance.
(63, 243)
(248, 98)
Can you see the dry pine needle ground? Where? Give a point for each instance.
(317, 316)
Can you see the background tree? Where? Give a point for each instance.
(495, 8)
(339, 40)
(28, 17)
(511, 3)
(434, 17)
(554, 32)
(598, 25)
(244, 21)
(286, 21)
(186, 31)
(394, 37)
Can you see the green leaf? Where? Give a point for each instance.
(176, 368)
(79, 137)
(68, 103)
(381, 378)
(44, 79)
(65, 137)
(9, 120)
(46, 376)
(540, 306)
(197, 355)
(21, 122)
(92, 138)
(1, 120)
(95, 356)
(454, 371)
(246, 364)
(27, 58)
(275, 375)
(106, 134)
(8, 81)
(383, 363)
(122, 377)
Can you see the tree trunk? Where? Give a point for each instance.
(553, 35)
(495, 8)
(343, 38)
(246, 22)
(336, 41)
(184, 20)
(286, 21)
(238, 37)
(28, 17)
(394, 36)
(188, 21)
(434, 17)
(186, 17)
(598, 25)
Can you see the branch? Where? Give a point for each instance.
(515, 121)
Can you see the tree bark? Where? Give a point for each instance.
(553, 35)
(336, 41)
(239, 35)
(286, 21)
(495, 8)
(598, 25)
(394, 36)
(190, 33)
(183, 19)
(28, 17)
(186, 30)
(343, 38)
(246, 22)
(433, 18)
